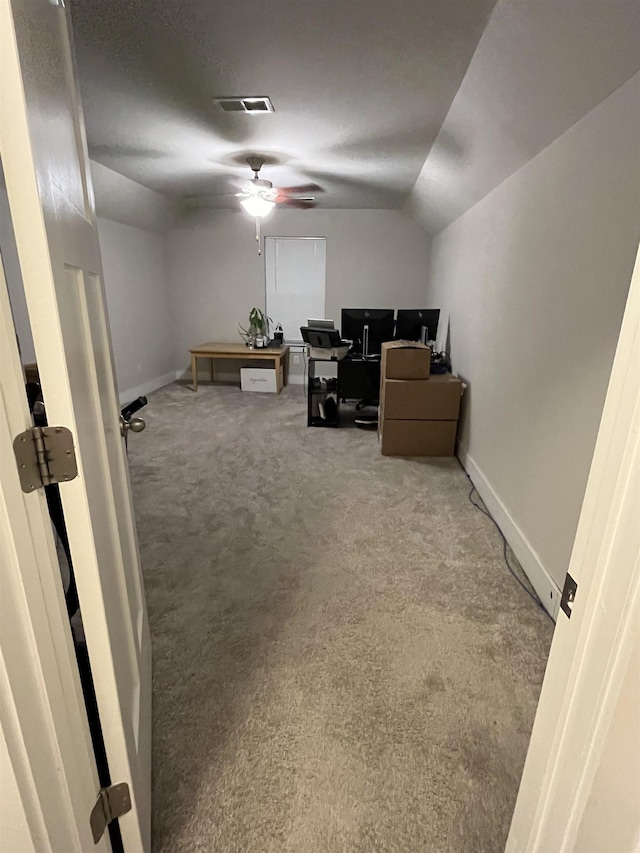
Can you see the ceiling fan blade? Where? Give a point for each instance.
(281, 198)
(300, 203)
(304, 189)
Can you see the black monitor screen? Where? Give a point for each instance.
(378, 321)
(410, 322)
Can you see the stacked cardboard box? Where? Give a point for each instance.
(418, 412)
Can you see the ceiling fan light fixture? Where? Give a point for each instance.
(258, 207)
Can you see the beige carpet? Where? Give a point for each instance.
(342, 663)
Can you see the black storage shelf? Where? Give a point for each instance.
(319, 390)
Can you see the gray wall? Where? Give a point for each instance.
(132, 223)
(534, 280)
(136, 285)
(375, 258)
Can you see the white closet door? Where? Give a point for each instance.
(295, 270)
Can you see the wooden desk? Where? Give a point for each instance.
(240, 352)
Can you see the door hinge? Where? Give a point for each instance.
(568, 594)
(113, 802)
(45, 455)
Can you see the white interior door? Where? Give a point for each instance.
(43, 151)
(48, 772)
(593, 650)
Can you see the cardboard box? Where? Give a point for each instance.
(437, 399)
(259, 379)
(405, 360)
(417, 438)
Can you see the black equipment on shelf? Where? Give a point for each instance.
(323, 404)
(321, 338)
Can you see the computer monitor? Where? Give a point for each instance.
(368, 328)
(410, 322)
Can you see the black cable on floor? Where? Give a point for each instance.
(505, 545)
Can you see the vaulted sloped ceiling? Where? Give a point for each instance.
(541, 65)
(360, 90)
(383, 103)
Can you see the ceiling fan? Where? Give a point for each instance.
(259, 196)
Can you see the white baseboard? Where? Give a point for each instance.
(296, 379)
(147, 387)
(546, 588)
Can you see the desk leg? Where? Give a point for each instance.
(212, 373)
(285, 361)
(194, 372)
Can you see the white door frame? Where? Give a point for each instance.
(45, 161)
(48, 765)
(590, 651)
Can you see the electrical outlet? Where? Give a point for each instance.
(296, 359)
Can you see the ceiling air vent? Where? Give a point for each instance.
(255, 106)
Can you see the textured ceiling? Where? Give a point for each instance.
(360, 88)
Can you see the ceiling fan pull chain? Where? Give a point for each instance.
(258, 233)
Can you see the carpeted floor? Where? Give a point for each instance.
(342, 663)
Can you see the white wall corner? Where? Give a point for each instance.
(147, 387)
(122, 200)
(546, 589)
(417, 205)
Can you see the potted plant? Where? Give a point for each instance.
(257, 332)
